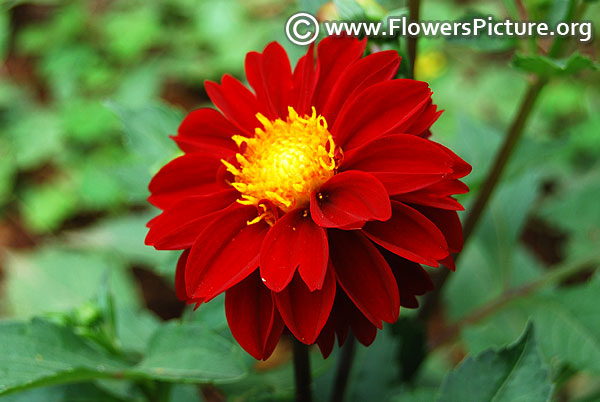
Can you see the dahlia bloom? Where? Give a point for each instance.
(312, 199)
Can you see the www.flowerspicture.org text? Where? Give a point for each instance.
(303, 28)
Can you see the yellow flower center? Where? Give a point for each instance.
(283, 163)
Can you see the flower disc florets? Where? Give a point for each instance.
(284, 162)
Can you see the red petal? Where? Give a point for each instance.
(437, 195)
(410, 235)
(236, 102)
(448, 262)
(379, 110)
(187, 210)
(185, 236)
(226, 252)
(334, 55)
(448, 222)
(305, 80)
(365, 276)
(252, 317)
(340, 315)
(192, 174)
(305, 312)
(326, 339)
(412, 279)
(345, 315)
(206, 130)
(348, 200)
(377, 67)
(421, 122)
(460, 167)
(295, 240)
(270, 75)
(364, 331)
(274, 335)
(180, 290)
(401, 162)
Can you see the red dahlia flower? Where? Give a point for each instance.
(288, 198)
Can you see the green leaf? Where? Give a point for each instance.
(28, 153)
(191, 353)
(56, 279)
(415, 395)
(359, 10)
(277, 383)
(349, 10)
(576, 211)
(571, 324)
(84, 392)
(147, 129)
(212, 316)
(185, 392)
(135, 327)
(140, 85)
(42, 353)
(566, 318)
(87, 121)
(4, 32)
(8, 172)
(483, 42)
(98, 189)
(546, 67)
(512, 374)
(129, 34)
(376, 368)
(124, 237)
(311, 6)
(47, 206)
(494, 261)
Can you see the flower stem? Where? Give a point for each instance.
(414, 8)
(343, 369)
(476, 209)
(302, 371)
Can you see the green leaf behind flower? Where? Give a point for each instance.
(512, 374)
(547, 67)
(40, 353)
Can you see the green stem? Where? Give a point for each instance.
(573, 13)
(302, 371)
(155, 391)
(513, 136)
(414, 9)
(343, 369)
(515, 132)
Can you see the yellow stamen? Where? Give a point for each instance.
(283, 163)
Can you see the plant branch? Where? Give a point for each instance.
(302, 371)
(513, 136)
(343, 369)
(414, 9)
(573, 13)
(554, 276)
(522, 10)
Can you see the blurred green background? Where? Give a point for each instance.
(90, 91)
